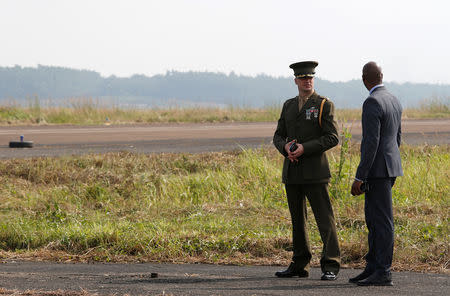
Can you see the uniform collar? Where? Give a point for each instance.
(313, 95)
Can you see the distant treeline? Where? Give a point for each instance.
(57, 85)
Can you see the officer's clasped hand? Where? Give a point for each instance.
(294, 150)
(293, 147)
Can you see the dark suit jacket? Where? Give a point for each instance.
(294, 124)
(381, 136)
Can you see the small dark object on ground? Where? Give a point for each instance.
(21, 144)
(154, 275)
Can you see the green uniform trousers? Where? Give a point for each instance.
(319, 200)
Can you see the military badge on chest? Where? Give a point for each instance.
(313, 111)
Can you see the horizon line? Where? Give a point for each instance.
(230, 73)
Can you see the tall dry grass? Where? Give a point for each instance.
(214, 207)
(91, 112)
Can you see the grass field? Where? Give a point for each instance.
(214, 207)
(89, 112)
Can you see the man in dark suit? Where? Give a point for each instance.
(306, 129)
(379, 166)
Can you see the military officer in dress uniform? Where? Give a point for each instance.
(306, 129)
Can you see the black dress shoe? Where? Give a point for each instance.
(328, 276)
(377, 279)
(363, 275)
(292, 271)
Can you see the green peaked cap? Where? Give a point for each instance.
(304, 69)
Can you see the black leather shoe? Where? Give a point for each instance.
(377, 279)
(292, 271)
(363, 275)
(328, 276)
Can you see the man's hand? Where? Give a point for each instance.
(293, 156)
(299, 151)
(356, 188)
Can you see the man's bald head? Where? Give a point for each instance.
(372, 75)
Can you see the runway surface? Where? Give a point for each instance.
(189, 138)
(202, 279)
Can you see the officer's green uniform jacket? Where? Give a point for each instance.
(303, 126)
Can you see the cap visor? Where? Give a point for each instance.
(305, 75)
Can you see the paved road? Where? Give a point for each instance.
(67, 140)
(202, 279)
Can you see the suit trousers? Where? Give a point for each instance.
(319, 200)
(380, 223)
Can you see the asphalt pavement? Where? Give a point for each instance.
(176, 138)
(201, 279)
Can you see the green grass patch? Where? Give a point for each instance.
(212, 207)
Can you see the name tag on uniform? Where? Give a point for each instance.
(313, 111)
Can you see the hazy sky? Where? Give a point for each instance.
(409, 39)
